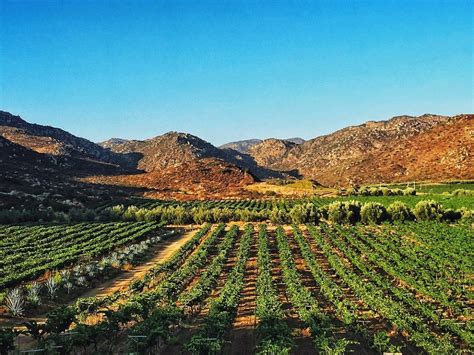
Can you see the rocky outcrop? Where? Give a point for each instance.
(393, 150)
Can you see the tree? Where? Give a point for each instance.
(399, 212)
(373, 212)
(428, 210)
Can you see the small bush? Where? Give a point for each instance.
(375, 191)
(399, 212)
(278, 216)
(462, 192)
(344, 212)
(409, 191)
(373, 212)
(451, 215)
(467, 215)
(428, 210)
(397, 192)
(304, 213)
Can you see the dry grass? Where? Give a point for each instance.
(296, 189)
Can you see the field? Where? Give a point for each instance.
(447, 201)
(246, 288)
(27, 252)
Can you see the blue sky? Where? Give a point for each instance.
(229, 70)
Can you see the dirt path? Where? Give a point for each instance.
(163, 251)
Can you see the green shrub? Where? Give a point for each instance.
(399, 212)
(375, 191)
(323, 212)
(451, 215)
(373, 212)
(397, 192)
(462, 192)
(467, 215)
(304, 213)
(428, 210)
(409, 191)
(344, 212)
(278, 216)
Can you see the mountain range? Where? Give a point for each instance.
(181, 165)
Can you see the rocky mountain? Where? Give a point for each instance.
(66, 149)
(173, 149)
(29, 179)
(193, 179)
(168, 150)
(244, 146)
(400, 149)
(41, 158)
(44, 162)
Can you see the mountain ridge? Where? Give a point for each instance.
(178, 164)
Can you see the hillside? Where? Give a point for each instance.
(173, 149)
(404, 148)
(37, 159)
(69, 151)
(244, 146)
(193, 179)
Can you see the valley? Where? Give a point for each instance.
(359, 241)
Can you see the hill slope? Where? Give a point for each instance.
(404, 148)
(245, 146)
(174, 148)
(400, 149)
(67, 150)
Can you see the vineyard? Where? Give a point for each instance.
(261, 288)
(29, 251)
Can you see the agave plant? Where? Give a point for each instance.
(65, 275)
(69, 286)
(104, 264)
(78, 270)
(81, 281)
(91, 270)
(52, 286)
(33, 293)
(15, 302)
(115, 260)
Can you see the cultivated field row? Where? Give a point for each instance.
(291, 289)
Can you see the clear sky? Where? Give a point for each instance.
(229, 70)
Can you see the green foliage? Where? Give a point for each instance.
(278, 216)
(382, 191)
(347, 212)
(466, 215)
(156, 328)
(462, 192)
(451, 215)
(304, 213)
(272, 328)
(399, 212)
(428, 210)
(60, 319)
(373, 212)
(7, 340)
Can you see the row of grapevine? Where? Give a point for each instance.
(419, 332)
(352, 288)
(88, 243)
(274, 333)
(222, 310)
